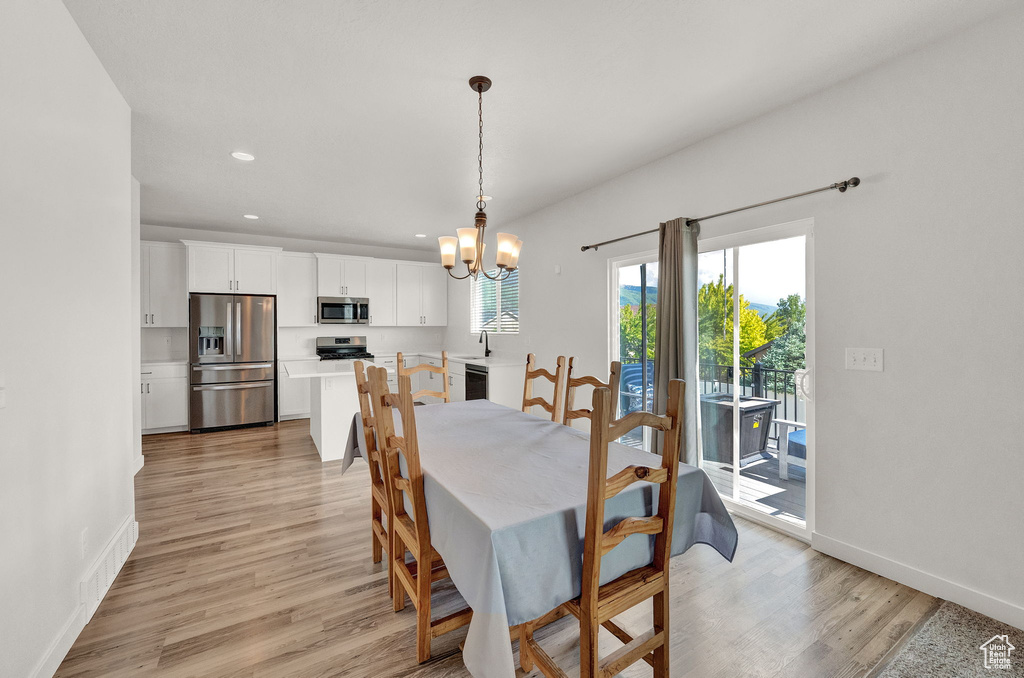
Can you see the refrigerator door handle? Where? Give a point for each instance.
(238, 328)
(243, 366)
(233, 387)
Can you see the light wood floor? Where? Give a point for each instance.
(253, 560)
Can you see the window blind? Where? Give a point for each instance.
(494, 306)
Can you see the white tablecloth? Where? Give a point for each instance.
(506, 493)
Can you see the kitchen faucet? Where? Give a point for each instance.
(485, 340)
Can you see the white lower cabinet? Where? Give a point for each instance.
(164, 391)
(457, 381)
(293, 396)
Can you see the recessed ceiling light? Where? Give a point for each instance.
(242, 155)
(421, 235)
(250, 216)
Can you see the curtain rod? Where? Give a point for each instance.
(840, 186)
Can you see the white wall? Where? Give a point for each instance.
(918, 467)
(65, 282)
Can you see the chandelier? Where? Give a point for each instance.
(470, 241)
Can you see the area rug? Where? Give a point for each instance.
(951, 644)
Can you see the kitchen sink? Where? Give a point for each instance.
(468, 357)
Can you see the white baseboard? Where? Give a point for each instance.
(165, 429)
(292, 417)
(60, 646)
(140, 461)
(94, 585)
(1008, 613)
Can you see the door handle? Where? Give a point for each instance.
(238, 327)
(246, 366)
(802, 383)
(233, 387)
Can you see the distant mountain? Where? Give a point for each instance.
(629, 295)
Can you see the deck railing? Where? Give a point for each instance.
(756, 381)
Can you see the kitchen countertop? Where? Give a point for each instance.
(306, 369)
(182, 361)
(493, 361)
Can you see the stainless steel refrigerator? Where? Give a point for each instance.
(232, 356)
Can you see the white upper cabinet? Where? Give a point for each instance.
(408, 279)
(421, 294)
(211, 269)
(339, 276)
(296, 291)
(435, 295)
(164, 295)
(380, 290)
(221, 268)
(256, 271)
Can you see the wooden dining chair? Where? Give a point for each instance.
(572, 383)
(380, 518)
(597, 604)
(532, 373)
(444, 394)
(409, 532)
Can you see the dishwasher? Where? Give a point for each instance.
(476, 382)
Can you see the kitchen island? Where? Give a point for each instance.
(333, 402)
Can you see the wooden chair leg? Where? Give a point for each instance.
(423, 577)
(397, 555)
(589, 659)
(376, 546)
(525, 657)
(661, 623)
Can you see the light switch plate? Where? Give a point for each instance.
(868, 359)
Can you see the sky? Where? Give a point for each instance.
(768, 271)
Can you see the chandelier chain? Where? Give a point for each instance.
(480, 204)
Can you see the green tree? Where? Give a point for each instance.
(715, 326)
(789, 350)
(631, 332)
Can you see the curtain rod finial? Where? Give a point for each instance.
(852, 182)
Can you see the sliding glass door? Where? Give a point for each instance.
(635, 292)
(754, 331)
(754, 378)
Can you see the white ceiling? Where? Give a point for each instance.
(364, 126)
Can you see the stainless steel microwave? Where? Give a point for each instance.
(343, 310)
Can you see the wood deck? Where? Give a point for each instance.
(254, 560)
(761, 488)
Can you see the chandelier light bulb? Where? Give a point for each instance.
(449, 246)
(467, 244)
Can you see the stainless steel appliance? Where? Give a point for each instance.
(476, 382)
(232, 360)
(342, 348)
(343, 310)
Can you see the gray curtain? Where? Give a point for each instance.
(675, 339)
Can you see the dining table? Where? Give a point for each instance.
(506, 497)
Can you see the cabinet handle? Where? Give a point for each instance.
(142, 388)
(147, 387)
(236, 285)
(229, 285)
(152, 319)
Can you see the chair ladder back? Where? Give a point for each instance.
(412, 579)
(572, 383)
(398, 448)
(379, 504)
(533, 372)
(445, 394)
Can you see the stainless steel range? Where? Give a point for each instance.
(342, 348)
